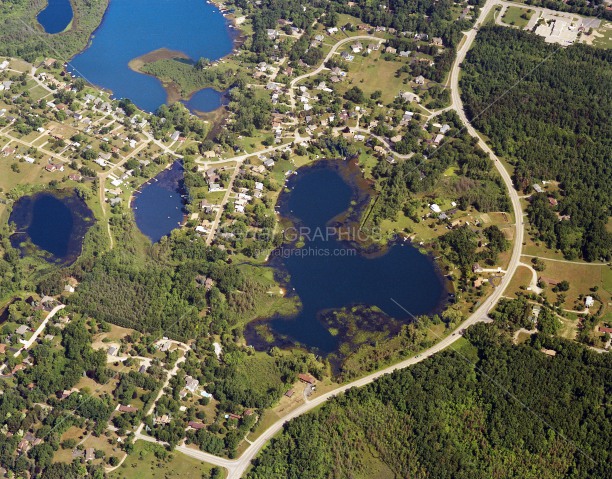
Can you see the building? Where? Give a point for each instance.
(196, 425)
(123, 408)
(21, 330)
(306, 378)
(420, 80)
(435, 208)
(191, 384)
(538, 188)
(391, 50)
(589, 301)
(113, 350)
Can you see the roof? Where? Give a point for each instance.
(22, 329)
(196, 425)
(307, 378)
(127, 408)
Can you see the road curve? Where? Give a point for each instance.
(237, 467)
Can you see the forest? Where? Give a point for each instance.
(547, 111)
(489, 409)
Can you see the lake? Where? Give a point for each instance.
(132, 28)
(51, 223)
(158, 205)
(56, 16)
(328, 274)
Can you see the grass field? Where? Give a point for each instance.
(581, 277)
(602, 37)
(142, 462)
(516, 16)
(521, 278)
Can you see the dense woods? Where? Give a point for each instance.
(547, 110)
(488, 410)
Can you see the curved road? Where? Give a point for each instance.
(237, 467)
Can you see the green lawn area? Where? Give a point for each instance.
(143, 462)
(603, 36)
(372, 73)
(516, 16)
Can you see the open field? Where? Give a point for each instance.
(144, 462)
(516, 16)
(581, 277)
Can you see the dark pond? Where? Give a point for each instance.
(56, 16)
(54, 222)
(329, 274)
(159, 206)
(205, 100)
(132, 28)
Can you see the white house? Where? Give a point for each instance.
(435, 208)
(589, 301)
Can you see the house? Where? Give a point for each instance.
(2, 348)
(21, 330)
(233, 416)
(420, 80)
(332, 30)
(380, 150)
(589, 301)
(269, 163)
(438, 139)
(552, 201)
(48, 337)
(476, 268)
(357, 47)
(548, 352)
(90, 454)
(390, 160)
(165, 346)
(49, 62)
(549, 281)
(391, 50)
(113, 350)
(290, 393)
(478, 282)
(213, 187)
(259, 186)
(396, 139)
(604, 329)
(405, 53)
(165, 419)
(409, 97)
(175, 136)
(123, 408)
(75, 177)
(69, 288)
(196, 425)
(538, 188)
(444, 129)
(8, 151)
(437, 41)
(191, 384)
(347, 56)
(435, 208)
(142, 369)
(306, 378)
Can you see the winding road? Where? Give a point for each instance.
(237, 467)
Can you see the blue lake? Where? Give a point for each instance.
(54, 222)
(56, 16)
(132, 28)
(328, 274)
(158, 205)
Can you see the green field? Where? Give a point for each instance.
(516, 16)
(143, 462)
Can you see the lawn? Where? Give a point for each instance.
(519, 282)
(143, 462)
(581, 278)
(602, 37)
(516, 16)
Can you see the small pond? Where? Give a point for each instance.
(159, 205)
(53, 223)
(56, 16)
